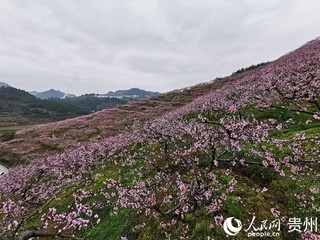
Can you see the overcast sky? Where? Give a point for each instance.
(84, 46)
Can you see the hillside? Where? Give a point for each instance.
(178, 165)
(108, 122)
(18, 102)
(18, 108)
(92, 103)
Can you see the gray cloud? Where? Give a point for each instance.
(83, 46)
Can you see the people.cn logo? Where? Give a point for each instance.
(230, 229)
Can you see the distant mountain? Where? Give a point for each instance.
(52, 94)
(93, 102)
(18, 107)
(2, 84)
(132, 93)
(125, 94)
(87, 102)
(34, 93)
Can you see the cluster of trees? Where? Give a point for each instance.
(90, 103)
(253, 66)
(19, 102)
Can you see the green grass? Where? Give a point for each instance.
(8, 159)
(111, 227)
(46, 147)
(7, 135)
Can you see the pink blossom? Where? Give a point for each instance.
(218, 220)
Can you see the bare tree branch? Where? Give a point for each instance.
(40, 233)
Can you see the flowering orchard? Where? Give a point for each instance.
(58, 136)
(183, 173)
